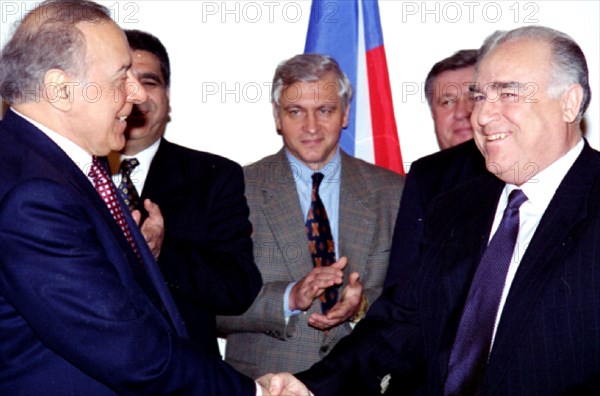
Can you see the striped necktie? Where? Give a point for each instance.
(469, 355)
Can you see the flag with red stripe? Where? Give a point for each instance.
(350, 31)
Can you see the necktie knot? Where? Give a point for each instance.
(128, 165)
(516, 198)
(97, 171)
(317, 178)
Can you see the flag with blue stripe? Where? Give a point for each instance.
(350, 31)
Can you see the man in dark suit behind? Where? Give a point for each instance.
(429, 179)
(84, 309)
(447, 91)
(206, 257)
(531, 91)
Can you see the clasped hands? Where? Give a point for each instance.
(301, 297)
(314, 284)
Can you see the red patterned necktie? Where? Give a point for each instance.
(107, 191)
(320, 240)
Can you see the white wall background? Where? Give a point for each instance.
(224, 53)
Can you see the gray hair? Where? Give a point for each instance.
(46, 39)
(569, 65)
(309, 68)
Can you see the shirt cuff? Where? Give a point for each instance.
(259, 391)
(287, 313)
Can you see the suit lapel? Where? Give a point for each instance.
(474, 209)
(550, 244)
(159, 181)
(281, 209)
(63, 168)
(357, 219)
(58, 165)
(157, 281)
(162, 179)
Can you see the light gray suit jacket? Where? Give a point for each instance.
(260, 341)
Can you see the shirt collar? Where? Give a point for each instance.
(302, 172)
(145, 156)
(541, 188)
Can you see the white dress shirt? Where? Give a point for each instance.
(539, 191)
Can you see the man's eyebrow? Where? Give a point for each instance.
(121, 71)
(150, 76)
(123, 68)
(507, 85)
(476, 87)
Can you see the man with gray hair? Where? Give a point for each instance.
(84, 308)
(505, 298)
(322, 225)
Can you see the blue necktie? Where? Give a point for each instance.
(320, 240)
(468, 358)
(126, 187)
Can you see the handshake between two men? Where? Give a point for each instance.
(284, 384)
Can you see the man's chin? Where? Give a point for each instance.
(135, 132)
(117, 144)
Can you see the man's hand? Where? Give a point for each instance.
(314, 284)
(347, 306)
(153, 228)
(282, 384)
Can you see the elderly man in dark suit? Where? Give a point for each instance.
(293, 323)
(505, 298)
(84, 309)
(206, 257)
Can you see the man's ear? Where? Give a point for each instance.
(571, 102)
(168, 93)
(56, 91)
(277, 118)
(346, 116)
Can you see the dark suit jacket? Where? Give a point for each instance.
(206, 257)
(79, 314)
(548, 338)
(260, 341)
(428, 178)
